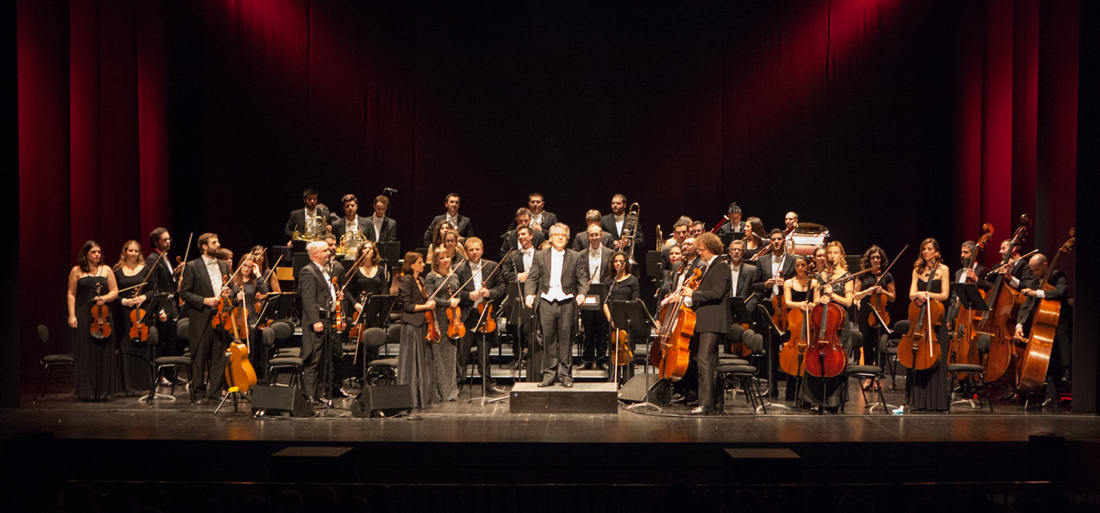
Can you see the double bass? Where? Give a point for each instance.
(1000, 321)
(670, 351)
(918, 349)
(1046, 312)
(961, 320)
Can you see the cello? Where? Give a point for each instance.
(825, 355)
(1000, 321)
(1036, 359)
(792, 357)
(918, 349)
(670, 351)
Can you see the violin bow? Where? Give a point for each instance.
(186, 253)
(896, 258)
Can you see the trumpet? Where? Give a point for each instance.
(630, 229)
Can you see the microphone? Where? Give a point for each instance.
(389, 191)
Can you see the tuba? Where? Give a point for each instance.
(630, 230)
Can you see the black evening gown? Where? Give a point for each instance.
(930, 390)
(92, 357)
(135, 359)
(794, 381)
(414, 363)
(627, 290)
(834, 389)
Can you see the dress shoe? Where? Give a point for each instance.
(546, 383)
(493, 390)
(698, 410)
(678, 398)
(199, 402)
(604, 366)
(1050, 401)
(567, 384)
(339, 393)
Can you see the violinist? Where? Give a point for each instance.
(226, 256)
(335, 338)
(877, 285)
(774, 267)
(929, 390)
(414, 363)
(91, 284)
(483, 290)
(266, 274)
(670, 278)
(624, 287)
(712, 322)
(796, 294)
(458, 222)
(319, 296)
(444, 353)
(841, 293)
(204, 281)
(250, 289)
(1061, 351)
(135, 356)
(600, 270)
(756, 240)
(369, 277)
(164, 281)
(580, 242)
(1017, 272)
(514, 269)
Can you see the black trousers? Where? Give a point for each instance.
(209, 348)
(465, 346)
(594, 346)
(707, 364)
(557, 320)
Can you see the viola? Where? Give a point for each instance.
(139, 331)
(918, 349)
(101, 325)
(455, 327)
(338, 323)
(670, 351)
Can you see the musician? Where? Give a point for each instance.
(480, 292)
(560, 276)
(841, 293)
(971, 271)
(743, 277)
(251, 288)
(1061, 352)
(930, 389)
(539, 220)
(735, 225)
(226, 256)
(443, 280)
(712, 318)
(670, 278)
(774, 267)
(204, 281)
(756, 239)
(266, 273)
(697, 228)
(318, 295)
(91, 283)
(352, 221)
(337, 337)
(514, 269)
(454, 249)
(460, 223)
(523, 218)
(600, 269)
(821, 263)
(580, 242)
(679, 233)
(1017, 272)
(164, 282)
(790, 221)
(441, 230)
(304, 220)
(614, 222)
(796, 295)
(381, 228)
(135, 357)
(624, 287)
(414, 359)
(875, 282)
(369, 278)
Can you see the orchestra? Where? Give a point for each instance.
(535, 304)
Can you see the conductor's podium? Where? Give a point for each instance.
(582, 398)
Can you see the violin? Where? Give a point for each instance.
(101, 325)
(918, 349)
(623, 354)
(432, 334)
(139, 331)
(455, 327)
(356, 326)
(878, 301)
(825, 355)
(485, 310)
(338, 324)
(223, 318)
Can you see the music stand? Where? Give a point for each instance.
(595, 298)
(483, 356)
(390, 252)
(629, 314)
(769, 323)
(374, 314)
(969, 296)
(518, 317)
(277, 307)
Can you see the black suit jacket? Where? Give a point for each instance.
(574, 274)
(339, 226)
(464, 229)
(1058, 293)
(511, 241)
(732, 228)
(297, 220)
(711, 300)
(409, 294)
(746, 282)
(1022, 271)
(607, 224)
(580, 241)
(389, 229)
(315, 296)
(162, 281)
(764, 269)
(548, 220)
(607, 272)
(980, 271)
(196, 288)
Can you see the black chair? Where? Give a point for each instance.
(891, 360)
(743, 374)
(280, 331)
(873, 372)
(160, 363)
(977, 376)
(737, 334)
(382, 371)
(49, 361)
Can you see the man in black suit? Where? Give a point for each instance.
(351, 221)
(1061, 353)
(163, 283)
(381, 228)
(1018, 271)
(460, 222)
(735, 225)
(598, 259)
(318, 295)
(204, 280)
(974, 272)
(514, 269)
(774, 267)
(615, 222)
(679, 233)
(305, 219)
(712, 317)
(580, 242)
(743, 276)
(560, 276)
(540, 220)
(511, 240)
(483, 286)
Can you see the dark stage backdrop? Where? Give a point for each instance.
(887, 121)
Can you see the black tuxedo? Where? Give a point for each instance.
(297, 220)
(712, 321)
(1061, 356)
(496, 293)
(162, 281)
(580, 241)
(764, 269)
(389, 229)
(317, 303)
(339, 226)
(548, 220)
(206, 343)
(557, 319)
(748, 277)
(607, 224)
(732, 228)
(511, 241)
(1021, 271)
(465, 229)
(980, 271)
(594, 345)
(607, 271)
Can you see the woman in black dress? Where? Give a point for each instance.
(251, 287)
(90, 283)
(265, 273)
(756, 239)
(135, 358)
(796, 294)
(930, 390)
(670, 276)
(876, 282)
(414, 364)
(367, 279)
(625, 288)
(831, 392)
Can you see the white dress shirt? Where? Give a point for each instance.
(557, 263)
(595, 258)
(214, 272)
(377, 226)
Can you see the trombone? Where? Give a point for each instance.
(630, 230)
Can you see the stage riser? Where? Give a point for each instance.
(582, 398)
